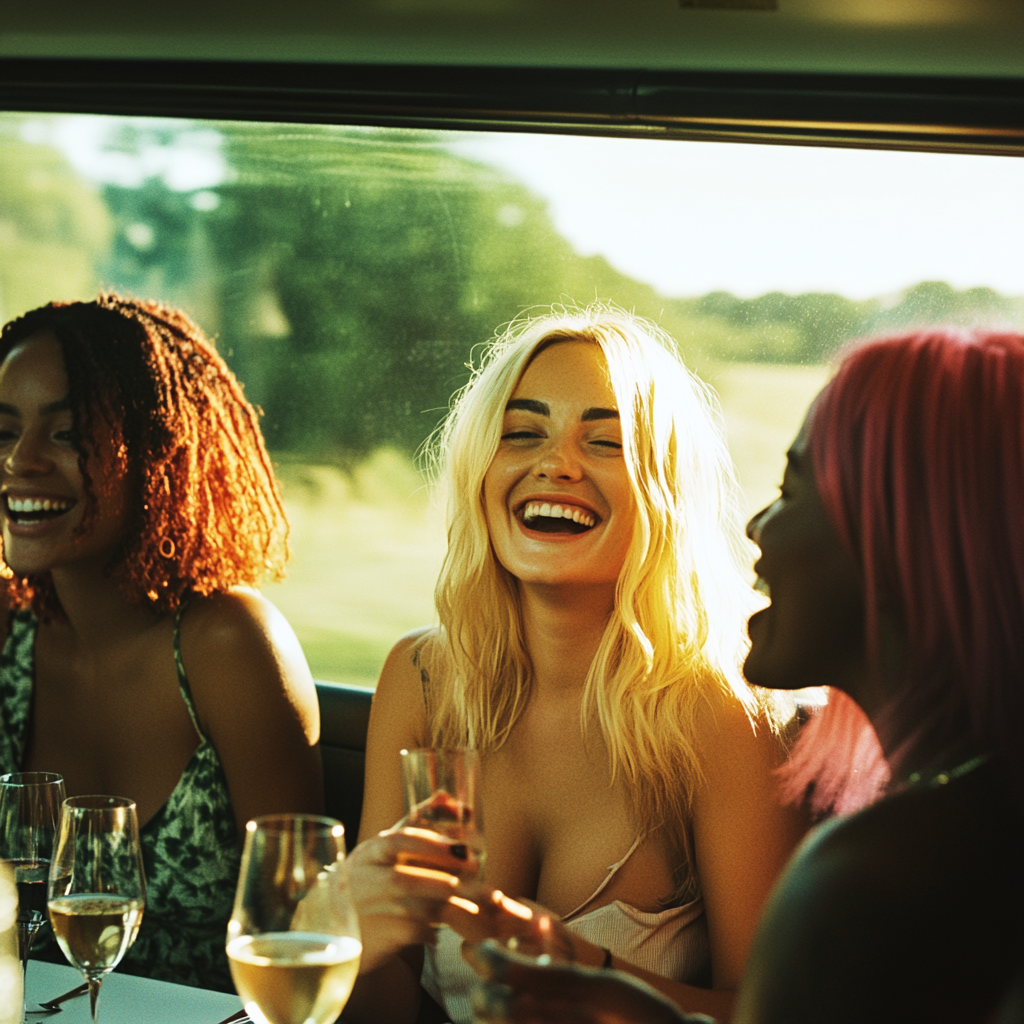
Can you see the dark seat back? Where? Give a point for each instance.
(344, 718)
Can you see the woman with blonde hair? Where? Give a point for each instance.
(591, 634)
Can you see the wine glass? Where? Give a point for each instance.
(293, 939)
(442, 794)
(29, 811)
(97, 887)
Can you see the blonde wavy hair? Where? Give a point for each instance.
(676, 637)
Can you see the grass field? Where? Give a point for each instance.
(367, 548)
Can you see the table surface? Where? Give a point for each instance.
(126, 999)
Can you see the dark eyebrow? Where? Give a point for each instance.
(59, 406)
(542, 409)
(528, 405)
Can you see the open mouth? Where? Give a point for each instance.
(550, 518)
(761, 586)
(35, 510)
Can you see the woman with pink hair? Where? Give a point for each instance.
(894, 560)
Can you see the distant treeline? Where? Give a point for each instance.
(349, 275)
(809, 328)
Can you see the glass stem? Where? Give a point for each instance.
(26, 936)
(94, 996)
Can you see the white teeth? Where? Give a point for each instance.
(37, 504)
(535, 509)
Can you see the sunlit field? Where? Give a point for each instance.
(367, 548)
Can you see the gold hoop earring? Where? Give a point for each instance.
(167, 547)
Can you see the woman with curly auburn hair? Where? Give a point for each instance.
(591, 634)
(139, 508)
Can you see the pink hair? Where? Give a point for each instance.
(918, 452)
(837, 763)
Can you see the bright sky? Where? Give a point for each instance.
(692, 217)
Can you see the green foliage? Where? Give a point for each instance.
(54, 227)
(350, 274)
(388, 261)
(775, 327)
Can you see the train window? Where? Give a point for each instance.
(348, 272)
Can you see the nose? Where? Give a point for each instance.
(755, 524)
(26, 458)
(558, 461)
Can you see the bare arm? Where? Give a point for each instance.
(256, 702)
(743, 836)
(393, 908)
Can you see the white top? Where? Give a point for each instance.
(672, 943)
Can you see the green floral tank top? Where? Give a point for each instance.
(190, 847)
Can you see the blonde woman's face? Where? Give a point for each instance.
(557, 497)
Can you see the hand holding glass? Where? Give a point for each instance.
(30, 805)
(97, 887)
(293, 939)
(442, 794)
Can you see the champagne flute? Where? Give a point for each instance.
(30, 805)
(293, 939)
(442, 794)
(97, 887)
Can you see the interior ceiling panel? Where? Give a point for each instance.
(962, 38)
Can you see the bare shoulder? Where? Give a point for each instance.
(729, 734)
(407, 668)
(398, 719)
(237, 646)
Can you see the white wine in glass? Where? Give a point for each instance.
(30, 804)
(97, 889)
(293, 939)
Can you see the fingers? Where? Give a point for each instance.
(524, 992)
(421, 847)
(479, 913)
(400, 880)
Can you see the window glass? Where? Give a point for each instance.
(348, 273)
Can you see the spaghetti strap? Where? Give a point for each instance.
(612, 871)
(186, 692)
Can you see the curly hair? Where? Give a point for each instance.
(205, 513)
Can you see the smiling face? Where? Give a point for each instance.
(557, 496)
(42, 493)
(812, 633)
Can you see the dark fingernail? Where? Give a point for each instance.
(459, 851)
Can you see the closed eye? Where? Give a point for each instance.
(520, 435)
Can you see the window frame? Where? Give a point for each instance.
(929, 113)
